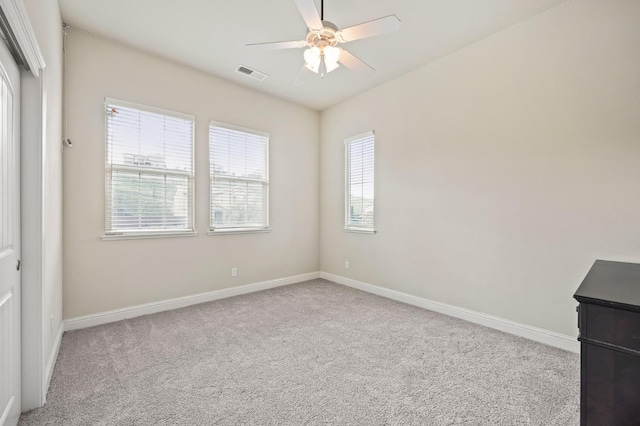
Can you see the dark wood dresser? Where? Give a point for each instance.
(609, 323)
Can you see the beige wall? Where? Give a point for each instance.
(503, 170)
(104, 275)
(47, 25)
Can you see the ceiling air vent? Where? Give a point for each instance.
(242, 69)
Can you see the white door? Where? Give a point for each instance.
(9, 239)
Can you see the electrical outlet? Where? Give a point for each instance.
(346, 264)
(234, 272)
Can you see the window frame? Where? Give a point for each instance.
(119, 234)
(348, 227)
(266, 183)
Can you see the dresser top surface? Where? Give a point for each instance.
(611, 283)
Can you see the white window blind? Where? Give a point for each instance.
(359, 173)
(149, 170)
(239, 170)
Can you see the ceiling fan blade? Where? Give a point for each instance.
(276, 45)
(303, 76)
(309, 13)
(376, 27)
(352, 62)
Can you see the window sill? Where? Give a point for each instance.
(144, 235)
(360, 230)
(239, 231)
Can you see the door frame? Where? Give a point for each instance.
(24, 44)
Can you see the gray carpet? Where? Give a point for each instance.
(309, 353)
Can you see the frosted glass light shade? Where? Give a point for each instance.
(312, 59)
(331, 57)
(331, 54)
(313, 67)
(330, 65)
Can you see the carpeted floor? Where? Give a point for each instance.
(309, 353)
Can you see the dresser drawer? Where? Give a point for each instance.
(609, 325)
(610, 387)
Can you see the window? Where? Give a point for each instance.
(359, 195)
(239, 170)
(149, 171)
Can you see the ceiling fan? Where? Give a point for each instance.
(322, 56)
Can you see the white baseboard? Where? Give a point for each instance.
(51, 362)
(541, 335)
(180, 302)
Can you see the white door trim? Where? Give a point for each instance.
(18, 20)
(34, 376)
(32, 139)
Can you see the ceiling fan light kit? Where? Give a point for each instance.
(322, 56)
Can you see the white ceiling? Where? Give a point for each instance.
(210, 35)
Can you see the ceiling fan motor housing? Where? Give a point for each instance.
(326, 36)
